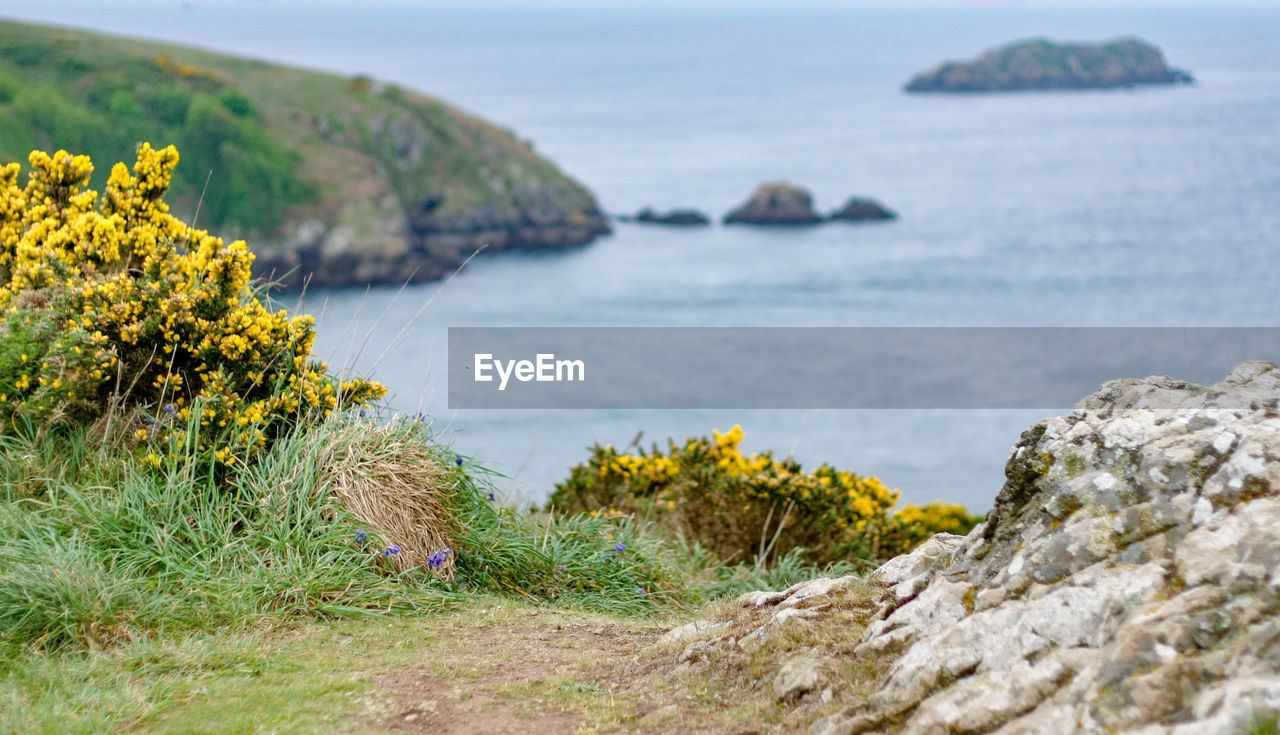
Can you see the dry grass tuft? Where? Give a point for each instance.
(391, 479)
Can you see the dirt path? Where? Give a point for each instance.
(506, 671)
(492, 666)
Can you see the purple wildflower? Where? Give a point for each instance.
(491, 497)
(457, 459)
(391, 550)
(362, 536)
(148, 420)
(440, 557)
(562, 568)
(170, 409)
(621, 547)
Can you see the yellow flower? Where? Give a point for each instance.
(155, 298)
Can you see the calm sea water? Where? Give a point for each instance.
(1153, 207)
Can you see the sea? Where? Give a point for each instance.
(1155, 206)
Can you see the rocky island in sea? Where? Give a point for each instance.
(861, 209)
(776, 203)
(1040, 64)
(673, 218)
(781, 203)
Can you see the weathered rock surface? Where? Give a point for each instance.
(1126, 581)
(778, 203)
(1041, 64)
(674, 218)
(797, 677)
(859, 209)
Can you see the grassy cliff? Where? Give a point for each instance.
(353, 180)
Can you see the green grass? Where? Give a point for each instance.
(264, 146)
(316, 676)
(112, 549)
(105, 691)
(1265, 724)
(106, 550)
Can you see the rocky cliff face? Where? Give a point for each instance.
(1041, 64)
(444, 185)
(425, 243)
(1126, 581)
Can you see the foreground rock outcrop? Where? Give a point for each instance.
(1126, 581)
(1041, 64)
(777, 203)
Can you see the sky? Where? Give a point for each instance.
(779, 6)
(66, 11)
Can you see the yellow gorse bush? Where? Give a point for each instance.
(742, 505)
(145, 308)
(937, 517)
(855, 500)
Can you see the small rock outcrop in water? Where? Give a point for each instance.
(778, 203)
(1042, 64)
(674, 218)
(860, 209)
(1126, 581)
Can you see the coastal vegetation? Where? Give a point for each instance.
(175, 463)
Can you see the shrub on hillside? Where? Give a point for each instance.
(753, 507)
(110, 305)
